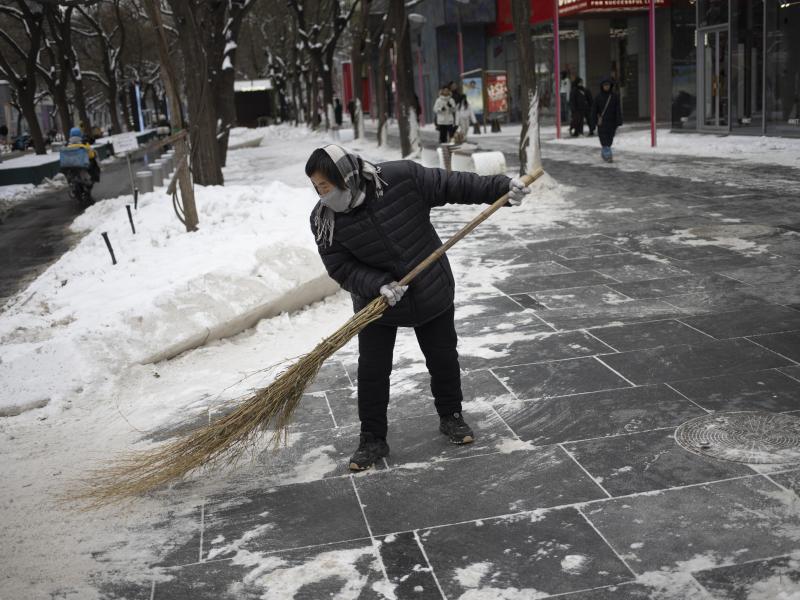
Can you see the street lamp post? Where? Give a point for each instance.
(652, 23)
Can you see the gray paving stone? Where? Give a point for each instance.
(603, 315)
(519, 347)
(647, 461)
(597, 414)
(331, 376)
(417, 440)
(779, 283)
(589, 251)
(768, 390)
(487, 306)
(560, 378)
(536, 283)
(714, 302)
(649, 335)
(524, 556)
(689, 284)
(775, 578)
(658, 365)
(350, 568)
(281, 518)
(407, 567)
(741, 520)
(637, 272)
(472, 488)
(748, 322)
(580, 297)
(786, 344)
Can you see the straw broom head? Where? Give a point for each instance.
(224, 440)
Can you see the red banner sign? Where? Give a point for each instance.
(571, 7)
(496, 94)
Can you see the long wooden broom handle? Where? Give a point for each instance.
(527, 179)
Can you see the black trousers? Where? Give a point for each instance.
(606, 136)
(437, 340)
(445, 131)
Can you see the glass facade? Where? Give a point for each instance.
(782, 81)
(736, 66)
(684, 65)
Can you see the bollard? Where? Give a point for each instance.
(157, 169)
(144, 181)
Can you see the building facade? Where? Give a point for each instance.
(736, 66)
(722, 66)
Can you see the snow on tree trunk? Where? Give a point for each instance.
(413, 135)
(359, 124)
(534, 148)
(330, 119)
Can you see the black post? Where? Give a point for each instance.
(110, 249)
(130, 217)
(136, 198)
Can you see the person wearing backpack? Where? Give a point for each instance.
(607, 116)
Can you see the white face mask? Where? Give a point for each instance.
(337, 200)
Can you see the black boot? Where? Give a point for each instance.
(371, 449)
(454, 427)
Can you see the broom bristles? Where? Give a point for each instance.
(223, 441)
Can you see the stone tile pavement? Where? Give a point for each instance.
(591, 342)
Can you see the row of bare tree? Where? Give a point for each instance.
(81, 53)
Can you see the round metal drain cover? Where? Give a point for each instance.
(733, 230)
(747, 437)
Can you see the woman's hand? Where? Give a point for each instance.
(393, 292)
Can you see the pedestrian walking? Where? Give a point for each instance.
(607, 116)
(580, 103)
(465, 117)
(372, 225)
(565, 89)
(444, 111)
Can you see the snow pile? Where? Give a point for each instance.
(85, 319)
(775, 150)
(11, 195)
(245, 137)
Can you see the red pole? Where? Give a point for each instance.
(557, 68)
(653, 73)
(421, 88)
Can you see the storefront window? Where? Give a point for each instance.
(684, 65)
(712, 12)
(747, 65)
(783, 67)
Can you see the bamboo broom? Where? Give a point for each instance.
(224, 440)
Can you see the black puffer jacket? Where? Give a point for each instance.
(384, 238)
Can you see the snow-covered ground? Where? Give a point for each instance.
(76, 345)
(771, 150)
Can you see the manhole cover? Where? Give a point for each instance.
(747, 437)
(740, 230)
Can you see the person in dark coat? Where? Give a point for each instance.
(337, 112)
(372, 226)
(580, 103)
(607, 116)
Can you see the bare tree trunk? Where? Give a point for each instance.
(357, 56)
(405, 80)
(521, 16)
(171, 86)
(380, 85)
(126, 107)
(27, 103)
(111, 98)
(206, 164)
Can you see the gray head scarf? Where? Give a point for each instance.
(355, 179)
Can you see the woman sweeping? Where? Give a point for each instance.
(372, 226)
